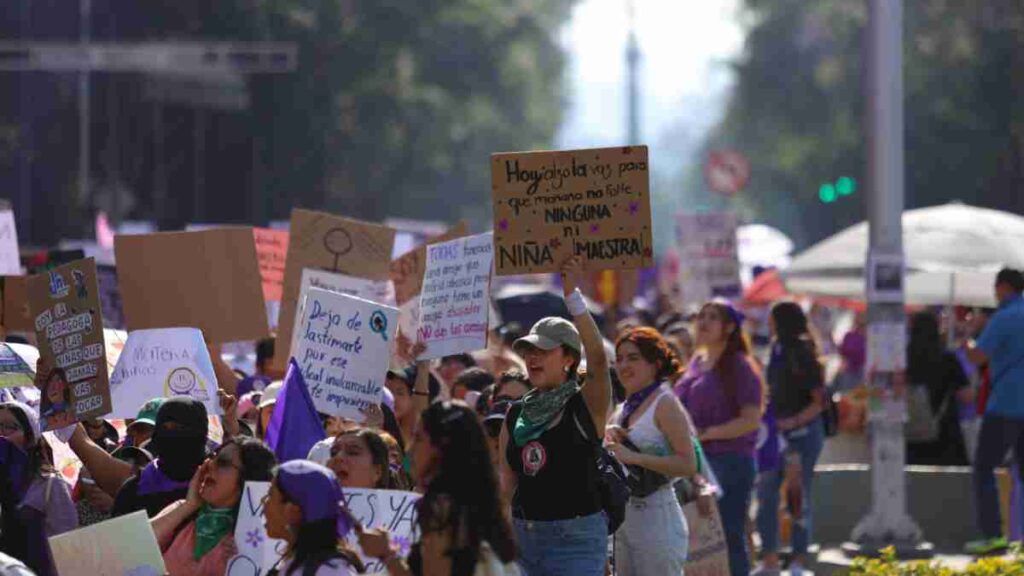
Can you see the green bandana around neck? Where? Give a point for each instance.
(539, 408)
(212, 525)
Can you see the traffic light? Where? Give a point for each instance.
(830, 192)
(827, 193)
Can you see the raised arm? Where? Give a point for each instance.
(597, 392)
(108, 472)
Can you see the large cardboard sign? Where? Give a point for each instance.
(123, 546)
(69, 330)
(709, 258)
(207, 279)
(17, 317)
(343, 346)
(549, 206)
(407, 270)
(455, 300)
(326, 242)
(161, 363)
(271, 252)
(10, 261)
(257, 552)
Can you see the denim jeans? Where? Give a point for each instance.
(998, 434)
(736, 473)
(578, 546)
(807, 442)
(654, 537)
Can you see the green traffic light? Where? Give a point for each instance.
(846, 186)
(827, 193)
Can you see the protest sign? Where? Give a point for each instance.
(406, 271)
(110, 297)
(16, 314)
(379, 291)
(549, 206)
(326, 242)
(709, 259)
(708, 554)
(69, 330)
(123, 546)
(163, 362)
(43, 260)
(14, 372)
(10, 261)
(455, 301)
(392, 510)
(342, 344)
(207, 279)
(271, 252)
(257, 552)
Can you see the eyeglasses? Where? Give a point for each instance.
(9, 428)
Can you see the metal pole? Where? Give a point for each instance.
(85, 14)
(887, 522)
(632, 70)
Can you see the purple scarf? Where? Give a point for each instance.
(152, 480)
(635, 400)
(13, 461)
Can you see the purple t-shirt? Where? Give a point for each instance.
(705, 399)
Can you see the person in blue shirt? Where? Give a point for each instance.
(1001, 345)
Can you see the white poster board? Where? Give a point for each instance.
(10, 262)
(163, 362)
(343, 346)
(379, 291)
(455, 300)
(257, 552)
(125, 545)
(392, 510)
(709, 258)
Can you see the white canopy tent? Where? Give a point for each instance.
(952, 253)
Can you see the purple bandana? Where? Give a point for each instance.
(152, 480)
(635, 400)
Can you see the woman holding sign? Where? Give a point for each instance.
(549, 439)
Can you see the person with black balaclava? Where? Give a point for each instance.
(179, 444)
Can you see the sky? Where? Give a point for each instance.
(684, 46)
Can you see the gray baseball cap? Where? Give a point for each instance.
(550, 333)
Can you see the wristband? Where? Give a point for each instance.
(575, 303)
(420, 393)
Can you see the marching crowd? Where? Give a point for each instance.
(556, 453)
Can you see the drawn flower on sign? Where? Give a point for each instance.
(403, 544)
(633, 207)
(503, 225)
(253, 538)
(594, 228)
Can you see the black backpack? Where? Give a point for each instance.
(611, 477)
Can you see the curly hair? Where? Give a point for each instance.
(654, 349)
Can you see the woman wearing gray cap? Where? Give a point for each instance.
(550, 476)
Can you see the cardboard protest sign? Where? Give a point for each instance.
(390, 509)
(69, 330)
(455, 301)
(708, 554)
(163, 363)
(343, 346)
(326, 242)
(549, 206)
(709, 258)
(207, 279)
(406, 271)
(379, 291)
(257, 552)
(17, 317)
(14, 371)
(10, 261)
(123, 546)
(271, 253)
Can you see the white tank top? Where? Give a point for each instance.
(645, 433)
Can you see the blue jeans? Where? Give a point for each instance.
(998, 434)
(735, 474)
(807, 442)
(578, 546)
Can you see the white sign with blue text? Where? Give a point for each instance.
(343, 346)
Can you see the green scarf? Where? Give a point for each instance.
(539, 408)
(212, 525)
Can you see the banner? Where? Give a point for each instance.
(257, 552)
(456, 297)
(406, 271)
(323, 241)
(710, 265)
(161, 363)
(69, 330)
(208, 279)
(10, 261)
(14, 371)
(124, 546)
(343, 345)
(549, 206)
(271, 253)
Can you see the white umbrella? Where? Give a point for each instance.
(952, 255)
(761, 245)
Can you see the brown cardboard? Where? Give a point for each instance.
(16, 314)
(407, 270)
(549, 206)
(327, 242)
(68, 321)
(207, 279)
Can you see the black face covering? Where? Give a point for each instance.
(179, 438)
(179, 457)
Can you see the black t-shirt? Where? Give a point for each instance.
(557, 473)
(943, 376)
(128, 499)
(793, 374)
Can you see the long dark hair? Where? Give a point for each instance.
(798, 347)
(654, 349)
(463, 495)
(317, 543)
(925, 349)
(44, 401)
(737, 349)
(258, 461)
(378, 454)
